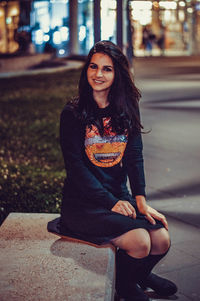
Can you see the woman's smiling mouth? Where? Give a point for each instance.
(98, 81)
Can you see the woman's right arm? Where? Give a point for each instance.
(72, 145)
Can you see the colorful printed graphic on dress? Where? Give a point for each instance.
(105, 151)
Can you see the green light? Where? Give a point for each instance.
(8, 20)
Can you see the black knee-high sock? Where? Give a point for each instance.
(127, 270)
(160, 285)
(150, 263)
(131, 270)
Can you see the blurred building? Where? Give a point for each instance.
(173, 25)
(70, 27)
(9, 21)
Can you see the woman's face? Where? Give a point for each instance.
(100, 72)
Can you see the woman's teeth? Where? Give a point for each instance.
(98, 81)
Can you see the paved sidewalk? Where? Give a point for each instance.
(182, 263)
(170, 106)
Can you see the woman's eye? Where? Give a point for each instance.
(107, 69)
(93, 66)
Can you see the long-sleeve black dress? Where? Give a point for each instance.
(97, 168)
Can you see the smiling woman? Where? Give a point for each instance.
(100, 136)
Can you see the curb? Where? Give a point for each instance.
(73, 65)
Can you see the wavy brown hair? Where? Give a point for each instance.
(123, 95)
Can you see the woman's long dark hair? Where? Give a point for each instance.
(123, 95)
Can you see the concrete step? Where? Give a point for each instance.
(36, 265)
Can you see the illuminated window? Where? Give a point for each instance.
(168, 4)
(181, 15)
(182, 3)
(49, 20)
(85, 26)
(108, 20)
(142, 11)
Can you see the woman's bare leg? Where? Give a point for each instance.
(136, 243)
(139, 251)
(139, 243)
(160, 241)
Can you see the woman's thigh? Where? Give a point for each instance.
(136, 243)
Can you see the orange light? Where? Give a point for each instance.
(14, 11)
(155, 4)
(1, 12)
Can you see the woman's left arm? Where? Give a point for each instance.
(134, 164)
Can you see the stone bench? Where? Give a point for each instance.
(36, 265)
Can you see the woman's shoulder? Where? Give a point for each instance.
(71, 105)
(70, 109)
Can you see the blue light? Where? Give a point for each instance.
(82, 33)
(39, 37)
(56, 37)
(46, 38)
(61, 51)
(64, 31)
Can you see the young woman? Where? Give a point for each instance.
(100, 136)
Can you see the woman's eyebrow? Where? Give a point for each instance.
(91, 63)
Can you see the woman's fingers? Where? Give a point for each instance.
(125, 208)
(150, 218)
(157, 215)
(163, 219)
(132, 209)
(165, 223)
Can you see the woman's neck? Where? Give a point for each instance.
(101, 98)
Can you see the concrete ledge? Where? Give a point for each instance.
(37, 265)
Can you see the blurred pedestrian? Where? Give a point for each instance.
(145, 37)
(161, 40)
(23, 39)
(48, 48)
(100, 135)
(148, 40)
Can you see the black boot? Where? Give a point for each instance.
(127, 269)
(161, 286)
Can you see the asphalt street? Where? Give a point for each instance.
(170, 108)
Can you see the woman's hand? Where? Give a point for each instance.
(150, 213)
(124, 208)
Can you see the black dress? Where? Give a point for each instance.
(97, 168)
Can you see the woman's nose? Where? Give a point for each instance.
(99, 73)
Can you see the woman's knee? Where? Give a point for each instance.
(160, 241)
(143, 247)
(165, 240)
(136, 243)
